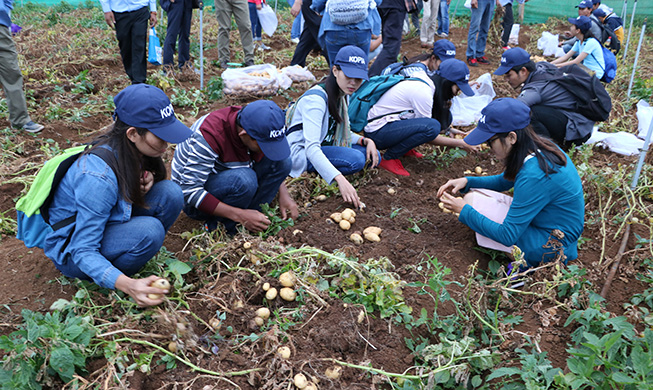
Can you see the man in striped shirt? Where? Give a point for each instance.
(236, 160)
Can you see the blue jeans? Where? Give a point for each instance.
(335, 40)
(443, 17)
(400, 136)
(256, 25)
(347, 160)
(478, 28)
(245, 188)
(128, 246)
(296, 29)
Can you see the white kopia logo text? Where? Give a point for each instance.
(276, 133)
(503, 59)
(357, 60)
(167, 111)
(450, 52)
(481, 119)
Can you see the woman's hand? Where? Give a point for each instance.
(467, 147)
(138, 289)
(372, 154)
(147, 180)
(454, 131)
(454, 186)
(348, 191)
(286, 203)
(452, 203)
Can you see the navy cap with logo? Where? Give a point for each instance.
(511, 58)
(265, 122)
(599, 13)
(444, 49)
(352, 60)
(500, 116)
(148, 107)
(585, 4)
(458, 72)
(582, 22)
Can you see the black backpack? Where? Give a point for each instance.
(592, 100)
(606, 33)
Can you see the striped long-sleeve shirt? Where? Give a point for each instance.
(214, 146)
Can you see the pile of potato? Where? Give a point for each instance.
(478, 170)
(255, 83)
(344, 219)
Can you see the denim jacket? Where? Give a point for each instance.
(372, 22)
(89, 189)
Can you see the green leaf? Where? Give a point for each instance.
(476, 381)
(61, 360)
(620, 377)
(503, 371)
(179, 267)
(641, 362)
(576, 366)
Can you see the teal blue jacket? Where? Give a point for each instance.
(540, 204)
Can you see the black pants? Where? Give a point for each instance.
(308, 39)
(508, 21)
(179, 21)
(392, 20)
(131, 31)
(552, 123)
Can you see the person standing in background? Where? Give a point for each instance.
(296, 30)
(180, 14)
(308, 40)
(508, 21)
(479, 26)
(255, 5)
(11, 77)
(130, 19)
(239, 9)
(443, 19)
(427, 32)
(392, 14)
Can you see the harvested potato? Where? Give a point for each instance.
(373, 229)
(478, 170)
(391, 191)
(259, 321)
(247, 245)
(356, 238)
(296, 232)
(352, 220)
(238, 304)
(172, 347)
(441, 205)
(300, 381)
(310, 386)
(361, 316)
(263, 312)
(353, 213)
(271, 294)
(161, 284)
(254, 259)
(266, 286)
(288, 294)
(362, 206)
(321, 198)
(215, 323)
(337, 217)
(287, 279)
(344, 225)
(467, 172)
(284, 352)
(333, 372)
(369, 236)
(347, 214)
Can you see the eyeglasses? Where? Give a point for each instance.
(494, 138)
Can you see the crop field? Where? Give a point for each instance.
(421, 308)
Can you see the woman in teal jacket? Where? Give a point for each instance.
(548, 193)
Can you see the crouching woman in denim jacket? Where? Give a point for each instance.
(121, 213)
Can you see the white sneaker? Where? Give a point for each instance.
(262, 46)
(295, 40)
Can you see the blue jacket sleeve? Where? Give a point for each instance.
(494, 182)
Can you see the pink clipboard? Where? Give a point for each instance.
(493, 205)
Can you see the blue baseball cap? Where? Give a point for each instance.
(582, 22)
(148, 107)
(585, 4)
(352, 60)
(444, 49)
(265, 122)
(599, 13)
(596, 1)
(500, 116)
(511, 58)
(458, 72)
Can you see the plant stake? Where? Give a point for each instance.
(639, 47)
(630, 30)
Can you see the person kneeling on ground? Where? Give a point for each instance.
(121, 215)
(401, 119)
(548, 194)
(236, 160)
(429, 62)
(588, 48)
(310, 122)
(551, 104)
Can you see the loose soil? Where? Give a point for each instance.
(30, 281)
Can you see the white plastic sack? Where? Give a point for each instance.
(644, 118)
(548, 43)
(268, 19)
(468, 4)
(622, 142)
(466, 110)
(514, 35)
(258, 80)
(298, 73)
